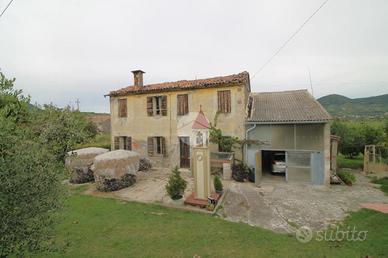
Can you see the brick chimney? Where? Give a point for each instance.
(138, 77)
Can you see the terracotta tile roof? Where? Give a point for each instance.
(297, 106)
(221, 81)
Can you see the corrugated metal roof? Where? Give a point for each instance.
(296, 106)
(221, 81)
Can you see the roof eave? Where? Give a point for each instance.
(250, 122)
(139, 92)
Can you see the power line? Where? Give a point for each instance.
(289, 39)
(5, 9)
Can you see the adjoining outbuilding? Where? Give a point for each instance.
(288, 133)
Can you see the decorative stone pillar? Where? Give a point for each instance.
(201, 172)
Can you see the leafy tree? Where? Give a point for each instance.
(62, 129)
(356, 134)
(30, 190)
(13, 104)
(386, 131)
(176, 185)
(33, 145)
(225, 143)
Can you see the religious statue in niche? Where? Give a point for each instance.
(200, 130)
(199, 138)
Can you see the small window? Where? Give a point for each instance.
(122, 107)
(157, 106)
(156, 146)
(122, 143)
(182, 104)
(224, 101)
(127, 143)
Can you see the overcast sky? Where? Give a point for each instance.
(63, 50)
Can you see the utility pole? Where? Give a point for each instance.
(78, 102)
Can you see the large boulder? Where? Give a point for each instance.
(78, 162)
(115, 170)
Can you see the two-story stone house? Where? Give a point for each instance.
(156, 119)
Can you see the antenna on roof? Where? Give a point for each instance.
(311, 83)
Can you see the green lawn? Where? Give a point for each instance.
(356, 163)
(383, 182)
(98, 227)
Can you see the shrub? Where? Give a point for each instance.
(176, 185)
(347, 177)
(30, 191)
(218, 184)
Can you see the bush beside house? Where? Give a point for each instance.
(176, 185)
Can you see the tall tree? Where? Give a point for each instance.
(30, 188)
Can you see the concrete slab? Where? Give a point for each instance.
(284, 207)
(149, 187)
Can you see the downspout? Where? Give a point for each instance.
(246, 145)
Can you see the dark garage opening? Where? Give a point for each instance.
(273, 162)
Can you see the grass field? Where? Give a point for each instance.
(356, 163)
(98, 227)
(383, 182)
(102, 140)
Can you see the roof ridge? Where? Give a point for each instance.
(201, 79)
(242, 77)
(285, 91)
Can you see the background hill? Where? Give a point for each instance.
(344, 107)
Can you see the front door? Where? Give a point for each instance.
(184, 146)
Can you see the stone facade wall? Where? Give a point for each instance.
(140, 126)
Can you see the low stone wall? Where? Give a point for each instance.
(79, 162)
(115, 170)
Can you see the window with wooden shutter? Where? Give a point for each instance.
(122, 107)
(127, 143)
(150, 146)
(163, 146)
(164, 105)
(182, 104)
(156, 146)
(116, 143)
(157, 105)
(150, 108)
(224, 101)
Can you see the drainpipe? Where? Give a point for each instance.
(246, 145)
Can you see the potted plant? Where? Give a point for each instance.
(218, 185)
(210, 207)
(176, 185)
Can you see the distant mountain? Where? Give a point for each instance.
(344, 107)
